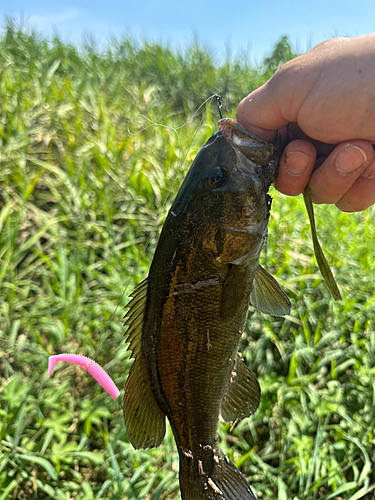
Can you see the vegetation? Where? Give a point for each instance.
(80, 195)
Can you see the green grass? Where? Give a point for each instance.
(79, 198)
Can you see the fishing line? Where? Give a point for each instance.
(179, 166)
(189, 120)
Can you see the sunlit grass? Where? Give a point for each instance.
(79, 197)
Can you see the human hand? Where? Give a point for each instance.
(323, 102)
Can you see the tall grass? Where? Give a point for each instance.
(79, 197)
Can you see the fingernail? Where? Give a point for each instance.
(296, 162)
(350, 159)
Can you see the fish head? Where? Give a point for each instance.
(225, 194)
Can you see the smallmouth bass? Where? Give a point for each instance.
(186, 319)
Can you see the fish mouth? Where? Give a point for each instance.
(253, 147)
(238, 135)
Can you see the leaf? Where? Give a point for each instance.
(43, 462)
(52, 70)
(320, 258)
(46, 441)
(4, 214)
(8, 489)
(362, 492)
(342, 489)
(89, 494)
(47, 488)
(282, 490)
(95, 457)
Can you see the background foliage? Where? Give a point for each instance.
(79, 197)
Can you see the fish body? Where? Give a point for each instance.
(186, 320)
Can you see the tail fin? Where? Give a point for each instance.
(210, 475)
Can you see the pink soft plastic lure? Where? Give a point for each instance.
(93, 368)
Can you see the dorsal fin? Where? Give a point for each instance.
(134, 317)
(144, 421)
(267, 296)
(243, 394)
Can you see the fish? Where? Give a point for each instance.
(186, 319)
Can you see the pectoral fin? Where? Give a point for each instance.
(267, 296)
(144, 421)
(243, 394)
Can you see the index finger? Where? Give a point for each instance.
(277, 102)
(260, 112)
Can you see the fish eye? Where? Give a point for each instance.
(218, 177)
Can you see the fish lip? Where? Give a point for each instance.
(237, 135)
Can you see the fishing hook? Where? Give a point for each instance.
(218, 98)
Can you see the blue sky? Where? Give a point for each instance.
(251, 25)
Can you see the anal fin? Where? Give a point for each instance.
(144, 421)
(243, 395)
